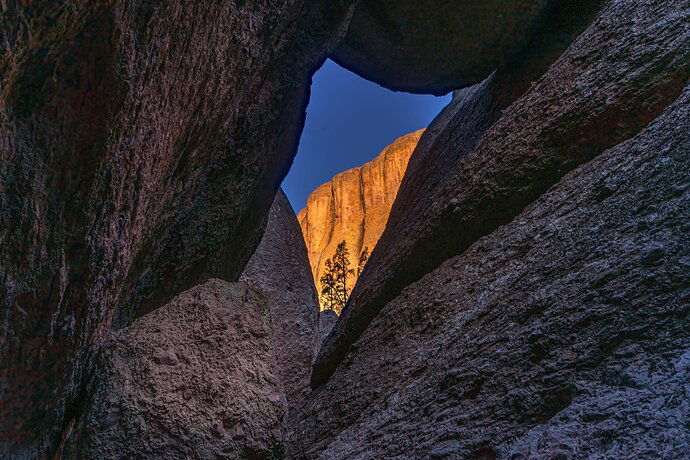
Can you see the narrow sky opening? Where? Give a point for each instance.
(349, 121)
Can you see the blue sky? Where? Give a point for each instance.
(349, 121)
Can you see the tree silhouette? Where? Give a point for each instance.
(329, 292)
(334, 282)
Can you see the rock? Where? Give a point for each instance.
(354, 206)
(280, 269)
(498, 157)
(194, 379)
(327, 319)
(547, 338)
(436, 46)
(142, 146)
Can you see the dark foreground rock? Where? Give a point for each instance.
(435, 45)
(564, 334)
(141, 146)
(280, 269)
(611, 82)
(327, 319)
(194, 379)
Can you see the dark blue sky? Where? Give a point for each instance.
(349, 121)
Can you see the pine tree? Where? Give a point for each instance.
(363, 257)
(328, 288)
(341, 272)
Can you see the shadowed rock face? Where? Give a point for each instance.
(613, 80)
(563, 334)
(436, 46)
(280, 269)
(141, 147)
(194, 379)
(354, 205)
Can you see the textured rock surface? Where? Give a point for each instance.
(436, 45)
(327, 319)
(354, 205)
(193, 379)
(280, 269)
(612, 81)
(564, 334)
(141, 145)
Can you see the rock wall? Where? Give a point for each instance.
(280, 270)
(563, 334)
(498, 157)
(354, 205)
(142, 144)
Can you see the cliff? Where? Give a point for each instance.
(354, 205)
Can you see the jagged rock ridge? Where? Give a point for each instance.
(354, 205)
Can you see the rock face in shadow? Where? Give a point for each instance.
(141, 147)
(354, 205)
(327, 319)
(194, 379)
(498, 157)
(563, 334)
(280, 269)
(436, 46)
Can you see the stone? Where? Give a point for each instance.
(354, 206)
(498, 156)
(543, 339)
(280, 270)
(436, 46)
(194, 379)
(141, 146)
(327, 319)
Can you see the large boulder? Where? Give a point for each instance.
(563, 334)
(484, 159)
(141, 146)
(280, 269)
(436, 46)
(194, 379)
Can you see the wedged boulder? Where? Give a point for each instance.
(327, 319)
(435, 46)
(486, 160)
(563, 334)
(194, 379)
(280, 269)
(141, 146)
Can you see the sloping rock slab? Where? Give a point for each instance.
(194, 379)
(564, 334)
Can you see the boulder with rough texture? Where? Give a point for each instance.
(194, 379)
(354, 206)
(141, 146)
(327, 319)
(630, 63)
(563, 334)
(436, 46)
(280, 269)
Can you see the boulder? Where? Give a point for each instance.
(194, 379)
(141, 146)
(487, 159)
(436, 46)
(563, 334)
(280, 270)
(327, 319)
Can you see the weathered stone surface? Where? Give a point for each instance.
(613, 80)
(435, 45)
(280, 269)
(141, 145)
(563, 334)
(327, 319)
(194, 379)
(354, 205)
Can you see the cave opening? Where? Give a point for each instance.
(353, 152)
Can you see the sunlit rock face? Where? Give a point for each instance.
(354, 206)
(503, 143)
(197, 378)
(280, 270)
(141, 146)
(563, 334)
